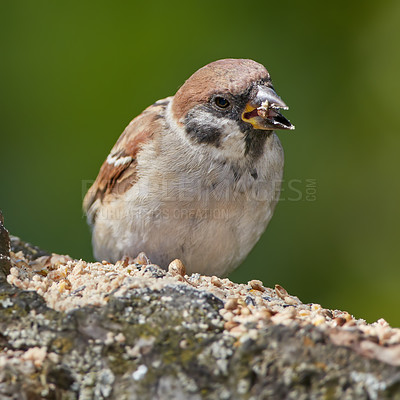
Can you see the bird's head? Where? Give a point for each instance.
(229, 98)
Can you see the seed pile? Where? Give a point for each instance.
(66, 284)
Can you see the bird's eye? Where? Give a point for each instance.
(221, 102)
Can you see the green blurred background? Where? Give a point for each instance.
(74, 73)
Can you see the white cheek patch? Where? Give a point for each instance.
(232, 140)
(231, 143)
(118, 161)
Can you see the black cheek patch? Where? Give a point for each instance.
(203, 133)
(255, 142)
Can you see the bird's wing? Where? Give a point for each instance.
(119, 170)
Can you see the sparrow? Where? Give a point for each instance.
(196, 176)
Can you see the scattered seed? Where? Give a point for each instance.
(231, 303)
(230, 324)
(245, 311)
(318, 320)
(65, 284)
(127, 261)
(257, 285)
(327, 313)
(228, 316)
(281, 292)
(315, 307)
(339, 321)
(262, 112)
(291, 301)
(141, 259)
(304, 313)
(347, 316)
(176, 267)
(216, 281)
(265, 314)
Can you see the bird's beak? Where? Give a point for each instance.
(262, 111)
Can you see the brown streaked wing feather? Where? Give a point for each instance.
(119, 175)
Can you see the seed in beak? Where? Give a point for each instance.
(262, 112)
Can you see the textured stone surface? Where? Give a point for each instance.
(5, 264)
(173, 343)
